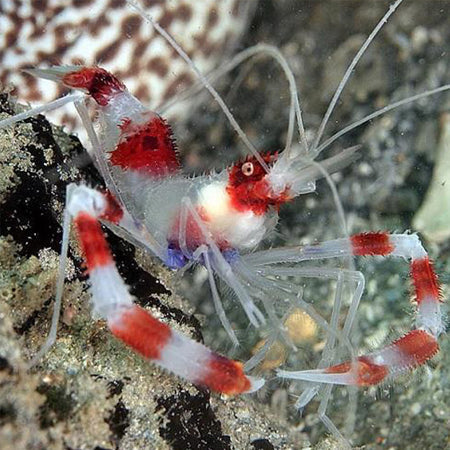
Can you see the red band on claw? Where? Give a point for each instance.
(92, 241)
(226, 376)
(141, 331)
(425, 281)
(377, 243)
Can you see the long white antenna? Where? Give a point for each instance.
(379, 112)
(254, 51)
(55, 104)
(349, 71)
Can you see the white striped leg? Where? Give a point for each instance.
(217, 301)
(203, 252)
(223, 269)
(277, 289)
(51, 338)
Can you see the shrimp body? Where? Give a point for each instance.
(229, 227)
(237, 206)
(214, 219)
(162, 205)
(137, 156)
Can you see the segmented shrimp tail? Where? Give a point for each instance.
(132, 324)
(100, 84)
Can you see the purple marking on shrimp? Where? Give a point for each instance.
(175, 258)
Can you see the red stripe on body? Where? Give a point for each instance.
(113, 212)
(367, 372)
(373, 243)
(92, 241)
(141, 331)
(147, 147)
(417, 346)
(100, 84)
(194, 234)
(225, 376)
(251, 191)
(426, 284)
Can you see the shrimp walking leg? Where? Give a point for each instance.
(408, 352)
(223, 269)
(264, 278)
(336, 340)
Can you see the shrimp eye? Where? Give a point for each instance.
(247, 169)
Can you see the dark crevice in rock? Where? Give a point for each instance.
(8, 413)
(189, 423)
(262, 444)
(28, 213)
(115, 387)
(141, 282)
(58, 406)
(32, 318)
(28, 217)
(118, 421)
(5, 366)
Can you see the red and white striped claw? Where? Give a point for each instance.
(179, 354)
(411, 350)
(132, 324)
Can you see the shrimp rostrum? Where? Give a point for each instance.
(218, 221)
